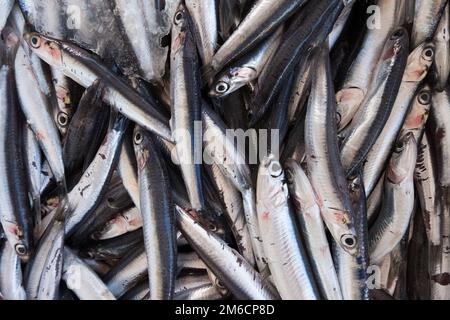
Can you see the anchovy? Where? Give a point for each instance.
(398, 200)
(84, 68)
(369, 121)
(14, 205)
(322, 157)
(359, 76)
(244, 282)
(186, 104)
(313, 231)
(308, 30)
(157, 215)
(11, 285)
(416, 69)
(82, 280)
(287, 259)
(246, 69)
(263, 18)
(426, 20)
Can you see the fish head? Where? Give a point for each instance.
(141, 143)
(420, 108)
(403, 160)
(271, 189)
(231, 80)
(419, 62)
(46, 48)
(300, 188)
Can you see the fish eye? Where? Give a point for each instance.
(428, 53)
(62, 119)
(138, 138)
(222, 87)
(179, 17)
(348, 240)
(212, 227)
(20, 249)
(35, 41)
(399, 147)
(424, 97)
(275, 169)
(397, 34)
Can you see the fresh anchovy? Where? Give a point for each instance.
(84, 68)
(234, 208)
(157, 215)
(416, 69)
(313, 231)
(233, 164)
(264, 17)
(308, 30)
(85, 129)
(84, 196)
(11, 285)
(417, 116)
(287, 259)
(244, 282)
(425, 178)
(426, 20)
(369, 121)
(45, 267)
(352, 269)
(124, 222)
(82, 280)
(322, 157)
(359, 76)
(129, 271)
(203, 14)
(186, 104)
(246, 69)
(14, 203)
(35, 106)
(442, 55)
(398, 200)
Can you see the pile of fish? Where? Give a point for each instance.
(224, 149)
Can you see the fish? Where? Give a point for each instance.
(82, 280)
(324, 168)
(264, 17)
(398, 200)
(358, 77)
(84, 68)
(14, 205)
(186, 104)
(417, 66)
(286, 253)
(307, 212)
(369, 121)
(245, 282)
(157, 216)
